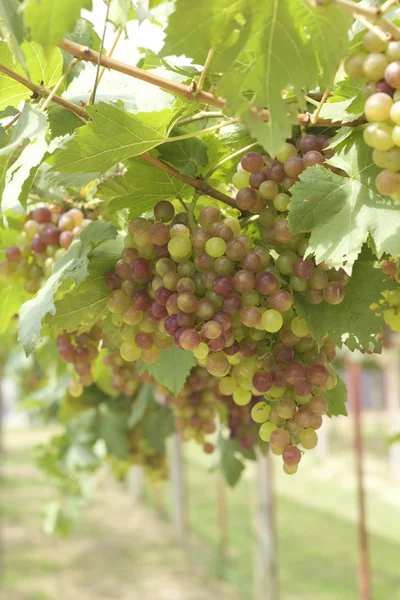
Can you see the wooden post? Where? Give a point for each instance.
(222, 516)
(266, 577)
(354, 370)
(179, 500)
(136, 481)
(391, 366)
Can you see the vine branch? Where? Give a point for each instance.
(188, 92)
(199, 184)
(45, 93)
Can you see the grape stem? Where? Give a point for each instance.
(315, 115)
(224, 160)
(58, 84)
(388, 5)
(357, 9)
(100, 76)
(44, 92)
(191, 221)
(103, 37)
(382, 35)
(202, 79)
(204, 114)
(195, 182)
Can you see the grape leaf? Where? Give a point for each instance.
(112, 428)
(62, 121)
(141, 187)
(142, 401)
(262, 48)
(351, 321)
(337, 398)
(12, 296)
(171, 369)
(13, 21)
(85, 35)
(231, 467)
(341, 212)
(41, 71)
(112, 136)
(121, 11)
(81, 309)
(71, 265)
(30, 124)
(346, 103)
(157, 426)
(185, 155)
(48, 20)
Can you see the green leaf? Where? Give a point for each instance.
(352, 319)
(113, 135)
(13, 22)
(172, 368)
(71, 265)
(12, 297)
(141, 187)
(341, 212)
(346, 102)
(157, 426)
(62, 121)
(81, 309)
(262, 48)
(40, 70)
(143, 400)
(337, 399)
(231, 467)
(112, 428)
(30, 124)
(185, 155)
(121, 11)
(48, 20)
(85, 35)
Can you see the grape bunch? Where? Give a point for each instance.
(80, 350)
(125, 378)
(378, 63)
(240, 424)
(195, 408)
(46, 234)
(293, 378)
(263, 187)
(389, 305)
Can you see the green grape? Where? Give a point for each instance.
(299, 327)
(395, 113)
(215, 247)
(240, 179)
(129, 351)
(260, 412)
(395, 136)
(179, 246)
(378, 107)
(286, 151)
(354, 64)
(393, 297)
(387, 160)
(290, 469)
(297, 284)
(285, 262)
(268, 190)
(393, 51)
(381, 136)
(308, 438)
(266, 430)
(241, 397)
(272, 320)
(374, 66)
(227, 386)
(281, 202)
(118, 302)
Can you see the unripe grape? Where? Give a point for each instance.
(202, 351)
(240, 180)
(118, 302)
(217, 364)
(272, 320)
(268, 190)
(164, 211)
(354, 64)
(266, 430)
(260, 412)
(392, 74)
(374, 67)
(380, 136)
(179, 247)
(215, 247)
(281, 202)
(290, 469)
(286, 408)
(334, 292)
(308, 438)
(319, 405)
(241, 397)
(378, 107)
(285, 152)
(393, 50)
(388, 182)
(373, 43)
(130, 351)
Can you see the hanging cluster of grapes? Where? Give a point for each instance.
(263, 186)
(195, 408)
(81, 351)
(212, 292)
(389, 305)
(46, 234)
(240, 425)
(378, 63)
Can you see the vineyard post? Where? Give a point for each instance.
(354, 372)
(266, 575)
(392, 386)
(136, 482)
(179, 496)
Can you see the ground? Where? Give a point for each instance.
(120, 549)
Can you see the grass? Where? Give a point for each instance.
(316, 516)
